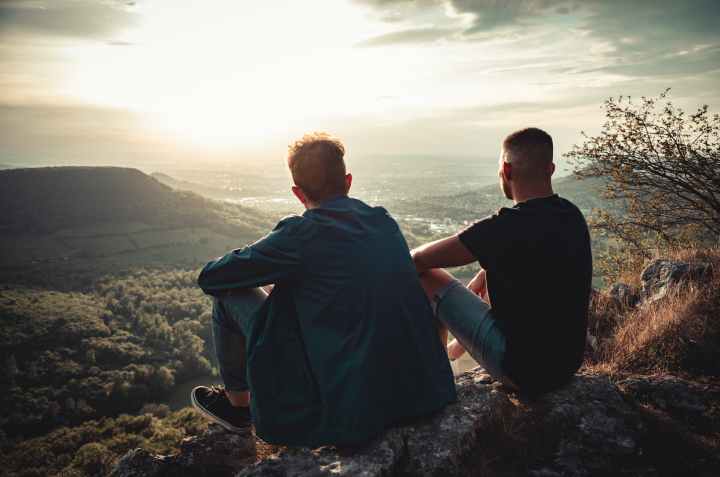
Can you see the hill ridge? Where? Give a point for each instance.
(45, 200)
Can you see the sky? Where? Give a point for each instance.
(240, 80)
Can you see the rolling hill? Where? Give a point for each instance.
(46, 200)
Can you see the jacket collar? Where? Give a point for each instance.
(332, 198)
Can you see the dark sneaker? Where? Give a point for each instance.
(213, 404)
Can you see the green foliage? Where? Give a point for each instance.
(662, 170)
(93, 448)
(157, 410)
(417, 234)
(111, 337)
(46, 200)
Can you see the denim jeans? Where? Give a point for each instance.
(471, 322)
(231, 315)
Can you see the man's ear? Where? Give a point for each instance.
(348, 182)
(299, 194)
(507, 171)
(552, 170)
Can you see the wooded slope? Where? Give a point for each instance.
(45, 200)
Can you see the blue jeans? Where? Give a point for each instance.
(231, 315)
(471, 322)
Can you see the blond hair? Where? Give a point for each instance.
(317, 166)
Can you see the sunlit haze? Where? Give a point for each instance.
(240, 80)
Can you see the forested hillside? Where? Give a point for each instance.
(45, 200)
(91, 339)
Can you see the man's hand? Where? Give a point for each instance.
(455, 350)
(478, 286)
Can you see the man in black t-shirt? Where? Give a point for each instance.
(524, 316)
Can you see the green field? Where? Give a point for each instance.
(178, 236)
(109, 245)
(20, 248)
(187, 245)
(193, 252)
(103, 229)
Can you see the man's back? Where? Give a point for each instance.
(347, 340)
(539, 271)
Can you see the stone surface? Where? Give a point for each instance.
(591, 341)
(671, 393)
(621, 291)
(597, 426)
(660, 277)
(597, 429)
(215, 444)
(424, 446)
(140, 463)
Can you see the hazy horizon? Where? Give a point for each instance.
(358, 164)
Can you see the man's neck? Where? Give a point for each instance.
(523, 195)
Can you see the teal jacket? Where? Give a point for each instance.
(347, 340)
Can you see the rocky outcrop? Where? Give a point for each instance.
(671, 393)
(597, 429)
(661, 277)
(427, 445)
(140, 463)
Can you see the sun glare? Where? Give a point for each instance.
(223, 73)
(214, 71)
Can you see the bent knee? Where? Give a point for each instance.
(433, 280)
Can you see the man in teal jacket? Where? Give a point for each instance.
(344, 342)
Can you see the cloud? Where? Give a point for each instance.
(412, 35)
(488, 14)
(390, 17)
(384, 4)
(633, 38)
(93, 20)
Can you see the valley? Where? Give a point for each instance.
(102, 317)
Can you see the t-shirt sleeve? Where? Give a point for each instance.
(484, 239)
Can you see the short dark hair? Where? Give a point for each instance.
(531, 146)
(317, 165)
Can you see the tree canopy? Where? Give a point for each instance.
(661, 169)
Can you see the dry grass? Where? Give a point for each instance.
(520, 443)
(681, 335)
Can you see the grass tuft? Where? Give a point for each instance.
(680, 335)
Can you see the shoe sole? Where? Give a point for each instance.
(210, 417)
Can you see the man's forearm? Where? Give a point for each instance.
(418, 256)
(447, 252)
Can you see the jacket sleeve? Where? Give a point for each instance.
(272, 259)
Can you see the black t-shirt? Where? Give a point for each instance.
(539, 274)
